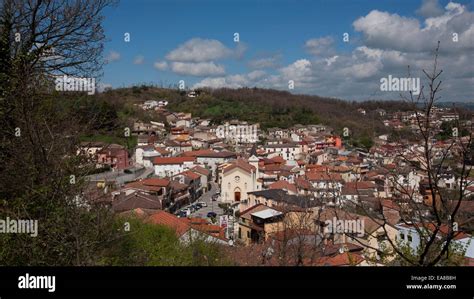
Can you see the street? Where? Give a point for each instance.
(212, 206)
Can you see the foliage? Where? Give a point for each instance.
(155, 245)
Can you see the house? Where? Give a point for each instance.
(193, 180)
(114, 156)
(188, 230)
(144, 155)
(149, 105)
(170, 166)
(211, 159)
(409, 234)
(278, 198)
(284, 185)
(257, 223)
(205, 176)
(129, 201)
(326, 186)
(288, 151)
(353, 191)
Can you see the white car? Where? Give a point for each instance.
(202, 203)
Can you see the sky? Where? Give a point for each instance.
(291, 45)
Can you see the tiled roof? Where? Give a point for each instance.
(172, 160)
(242, 164)
(283, 185)
(179, 225)
(201, 170)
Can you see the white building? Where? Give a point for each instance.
(408, 235)
(288, 151)
(238, 178)
(170, 166)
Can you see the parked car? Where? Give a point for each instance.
(214, 197)
(211, 215)
(198, 206)
(202, 203)
(182, 214)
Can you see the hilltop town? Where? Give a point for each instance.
(261, 193)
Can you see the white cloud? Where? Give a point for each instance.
(323, 46)
(200, 50)
(160, 65)
(297, 70)
(331, 60)
(383, 30)
(430, 8)
(139, 59)
(112, 56)
(388, 45)
(197, 69)
(265, 62)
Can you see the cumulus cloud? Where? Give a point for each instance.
(430, 8)
(112, 56)
(383, 30)
(389, 43)
(323, 46)
(197, 69)
(200, 50)
(160, 65)
(234, 81)
(271, 61)
(139, 59)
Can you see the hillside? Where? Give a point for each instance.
(270, 108)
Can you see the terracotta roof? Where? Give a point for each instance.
(179, 225)
(203, 152)
(201, 170)
(190, 174)
(279, 159)
(136, 200)
(322, 176)
(150, 184)
(342, 259)
(283, 185)
(162, 150)
(242, 164)
(155, 182)
(301, 183)
(363, 185)
(172, 160)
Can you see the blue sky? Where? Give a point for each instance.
(172, 40)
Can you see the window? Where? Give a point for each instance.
(248, 234)
(237, 179)
(240, 233)
(410, 238)
(402, 236)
